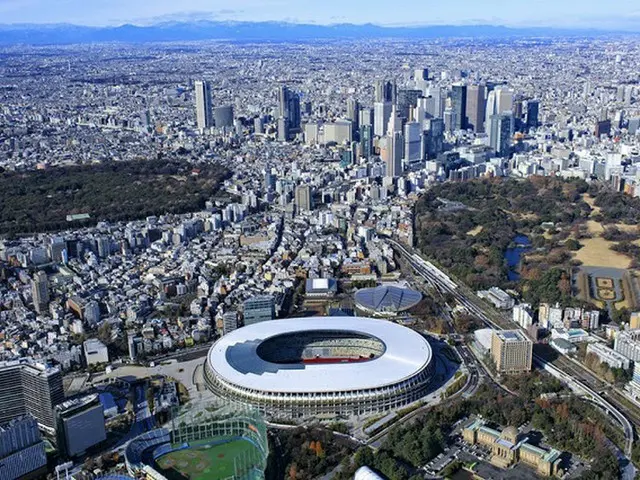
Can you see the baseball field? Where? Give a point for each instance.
(206, 462)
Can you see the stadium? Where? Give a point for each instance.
(386, 301)
(203, 444)
(321, 365)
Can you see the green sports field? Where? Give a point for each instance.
(206, 462)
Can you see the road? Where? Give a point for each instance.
(440, 281)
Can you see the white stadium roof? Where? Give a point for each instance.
(234, 357)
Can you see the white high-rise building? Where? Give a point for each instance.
(381, 115)
(204, 115)
(412, 142)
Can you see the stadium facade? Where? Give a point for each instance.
(321, 365)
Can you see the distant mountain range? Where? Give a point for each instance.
(261, 31)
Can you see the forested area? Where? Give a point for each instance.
(615, 207)
(471, 242)
(40, 200)
(566, 423)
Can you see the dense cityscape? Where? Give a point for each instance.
(382, 258)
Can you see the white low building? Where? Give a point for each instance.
(609, 356)
(95, 352)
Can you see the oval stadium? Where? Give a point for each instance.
(321, 365)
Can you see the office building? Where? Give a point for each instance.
(500, 134)
(27, 387)
(511, 351)
(406, 100)
(499, 100)
(22, 451)
(283, 130)
(476, 107)
(412, 142)
(531, 113)
(40, 292)
(523, 315)
(393, 162)
(203, 104)
(433, 139)
(421, 74)
(259, 309)
(289, 110)
(603, 127)
(459, 106)
(366, 141)
(304, 201)
(95, 352)
(366, 117)
(628, 344)
(79, 426)
(353, 113)
(223, 116)
(435, 103)
(381, 115)
(385, 91)
(338, 132)
(229, 322)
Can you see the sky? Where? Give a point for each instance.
(610, 14)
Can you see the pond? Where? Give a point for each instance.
(522, 245)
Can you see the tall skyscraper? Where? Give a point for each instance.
(435, 103)
(459, 105)
(395, 144)
(40, 291)
(353, 113)
(304, 202)
(385, 91)
(406, 100)
(433, 139)
(412, 142)
(382, 113)
(531, 113)
(27, 387)
(366, 116)
(203, 104)
(223, 116)
(366, 141)
(421, 74)
(500, 133)
(476, 105)
(289, 110)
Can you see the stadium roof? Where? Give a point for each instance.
(387, 298)
(234, 357)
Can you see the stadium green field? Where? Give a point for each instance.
(202, 462)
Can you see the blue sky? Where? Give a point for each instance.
(610, 14)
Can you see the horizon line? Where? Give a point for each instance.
(151, 24)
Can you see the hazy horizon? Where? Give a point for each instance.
(573, 14)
